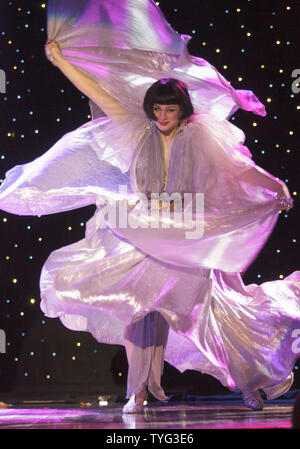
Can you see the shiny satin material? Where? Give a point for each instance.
(126, 45)
(116, 276)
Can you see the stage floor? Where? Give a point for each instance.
(193, 415)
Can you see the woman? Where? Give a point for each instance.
(155, 290)
(168, 105)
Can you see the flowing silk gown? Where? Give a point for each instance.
(186, 280)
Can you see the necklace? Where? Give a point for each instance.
(165, 182)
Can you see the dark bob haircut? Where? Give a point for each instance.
(168, 91)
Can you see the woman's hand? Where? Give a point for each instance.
(284, 196)
(53, 53)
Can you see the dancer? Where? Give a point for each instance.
(163, 293)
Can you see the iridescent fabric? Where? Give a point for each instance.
(188, 275)
(99, 36)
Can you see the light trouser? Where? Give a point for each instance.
(146, 342)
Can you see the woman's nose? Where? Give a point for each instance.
(162, 115)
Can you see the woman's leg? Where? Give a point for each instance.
(141, 396)
(145, 343)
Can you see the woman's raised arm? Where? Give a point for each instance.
(85, 84)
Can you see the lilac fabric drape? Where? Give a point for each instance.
(127, 45)
(114, 277)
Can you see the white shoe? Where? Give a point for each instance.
(132, 406)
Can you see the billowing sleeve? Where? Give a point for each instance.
(222, 143)
(86, 165)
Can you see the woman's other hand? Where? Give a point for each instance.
(284, 196)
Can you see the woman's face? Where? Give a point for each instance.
(167, 117)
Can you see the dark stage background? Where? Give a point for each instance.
(254, 45)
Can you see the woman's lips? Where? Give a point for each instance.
(163, 123)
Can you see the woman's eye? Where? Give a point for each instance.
(157, 109)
